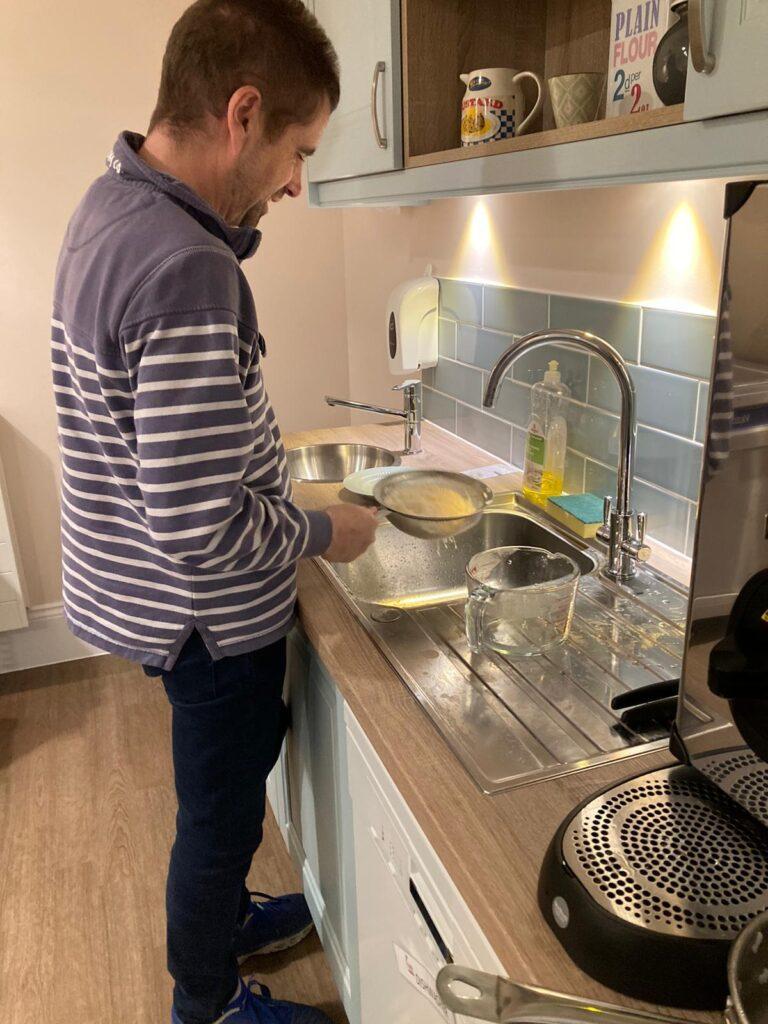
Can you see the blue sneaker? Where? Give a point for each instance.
(251, 1007)
(272, 923)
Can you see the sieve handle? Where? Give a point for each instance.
(504, 1001)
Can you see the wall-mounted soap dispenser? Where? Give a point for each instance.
(412, 324)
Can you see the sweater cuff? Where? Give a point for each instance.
(319, 535)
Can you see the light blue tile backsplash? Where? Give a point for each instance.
(456, 380)
(573, 367)
(485, 431)
(664, 400)
(669, 355)
(614, 321)
(460, 300)
(514, 311)
(440, 410)
(446, 339)
(679, 342)
(480, 348)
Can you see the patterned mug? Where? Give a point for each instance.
(493, 107)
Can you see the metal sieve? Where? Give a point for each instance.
(397, 493)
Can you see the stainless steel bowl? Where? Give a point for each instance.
(332, 463)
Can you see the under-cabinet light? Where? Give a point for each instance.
(678, 266)
(479, 255)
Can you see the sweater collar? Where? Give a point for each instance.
(124, 162)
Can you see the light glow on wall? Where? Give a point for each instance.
(678, 266)
(479, 256)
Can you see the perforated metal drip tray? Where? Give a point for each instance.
(670, 852)
(513, 723)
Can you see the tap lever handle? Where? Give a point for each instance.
(607, 509)
(406, 384)
(642, 522)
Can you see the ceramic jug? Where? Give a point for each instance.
(493, 107)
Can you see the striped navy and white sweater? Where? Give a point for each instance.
(175, 497)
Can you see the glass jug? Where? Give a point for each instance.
(520, 600)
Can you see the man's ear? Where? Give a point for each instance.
(243, 115)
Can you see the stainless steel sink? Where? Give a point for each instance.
(513, 722)
(331, 463)
(403, 572)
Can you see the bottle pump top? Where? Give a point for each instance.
(552, 375)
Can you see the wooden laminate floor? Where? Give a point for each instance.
(86, 822)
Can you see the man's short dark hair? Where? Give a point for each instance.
(217, 46)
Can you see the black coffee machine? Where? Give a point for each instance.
(647, 884)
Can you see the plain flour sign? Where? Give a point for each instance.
(636, 31)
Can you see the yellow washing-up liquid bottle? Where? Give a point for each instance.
(547, 438)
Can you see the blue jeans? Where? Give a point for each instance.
(229, 721)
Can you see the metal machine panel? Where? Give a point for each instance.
(726, 659)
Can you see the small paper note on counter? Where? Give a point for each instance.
(485, 472)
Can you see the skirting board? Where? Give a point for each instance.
(45, 641)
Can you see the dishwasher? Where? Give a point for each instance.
(407, 908)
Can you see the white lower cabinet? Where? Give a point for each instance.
(387, 912)
(411, 920)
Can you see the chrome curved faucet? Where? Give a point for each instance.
(623, 529)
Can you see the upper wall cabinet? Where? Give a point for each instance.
(443, 39)
(365, 133)
(727, 58)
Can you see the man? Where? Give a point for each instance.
(179, 536)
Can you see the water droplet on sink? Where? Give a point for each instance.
(386, 615)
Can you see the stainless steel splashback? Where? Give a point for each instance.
(732, 531)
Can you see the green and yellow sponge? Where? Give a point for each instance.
(581, 513)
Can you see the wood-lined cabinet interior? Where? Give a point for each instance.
(424, 45)
(443, 38)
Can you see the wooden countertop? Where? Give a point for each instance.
(491, 846)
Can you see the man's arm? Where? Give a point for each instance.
(198, 438)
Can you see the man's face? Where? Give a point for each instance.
(267, 170)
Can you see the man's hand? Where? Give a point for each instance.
(354, 528)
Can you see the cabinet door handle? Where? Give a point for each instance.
(378, 71)
(703, 61)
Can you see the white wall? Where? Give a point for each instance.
(72, 75)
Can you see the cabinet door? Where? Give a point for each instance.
(735, 33)
(366, 34)
(317, 829)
